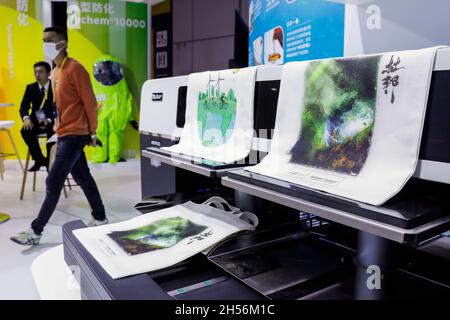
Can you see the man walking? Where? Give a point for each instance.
(75, 125)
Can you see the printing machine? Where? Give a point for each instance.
(308, 245)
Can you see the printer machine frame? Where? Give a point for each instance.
(163, 128)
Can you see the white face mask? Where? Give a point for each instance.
(50, 50)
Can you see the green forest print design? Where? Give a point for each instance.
(339, 114)
(216, 114)
(161, 234)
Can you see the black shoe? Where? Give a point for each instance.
(38, 165)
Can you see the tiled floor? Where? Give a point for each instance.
(120, 189)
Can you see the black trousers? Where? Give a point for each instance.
(69, 158)
(30, 138)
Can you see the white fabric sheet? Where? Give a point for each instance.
(219, 116)
(159, 239)
(351, 127)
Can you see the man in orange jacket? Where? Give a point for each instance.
(75, 125)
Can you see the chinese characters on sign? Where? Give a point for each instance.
(161, 55)
(391, 78)
(161, 60)
(298, 39)
(292, 22)
(271, 4)
(94, 7)
(22, 9)
(98, 13)
(161, 39)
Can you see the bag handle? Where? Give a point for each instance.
(222, 204)
(249, 217)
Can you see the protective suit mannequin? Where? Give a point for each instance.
(115, 103)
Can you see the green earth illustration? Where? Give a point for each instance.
(216, 114)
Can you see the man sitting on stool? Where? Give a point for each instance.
(38, 97)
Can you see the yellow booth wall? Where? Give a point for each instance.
(21, 46)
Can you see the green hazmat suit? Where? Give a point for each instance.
(115, 107)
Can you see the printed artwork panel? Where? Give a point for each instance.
(161, 234)
(339, 114)
(216, 115)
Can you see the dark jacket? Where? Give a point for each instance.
(32, 99)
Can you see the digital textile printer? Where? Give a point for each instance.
(307, 246)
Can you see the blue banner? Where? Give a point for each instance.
(292, 30)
